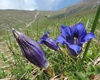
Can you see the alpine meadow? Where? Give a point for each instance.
(51, 45)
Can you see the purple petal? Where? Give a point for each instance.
(79, 30)
(49, 42)
(33, 55)
(88, 37)
(74, 49)
(44, 37)
(61, 40)
(65, 31)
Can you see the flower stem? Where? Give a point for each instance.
(92, 30)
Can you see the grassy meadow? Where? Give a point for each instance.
(14, 66)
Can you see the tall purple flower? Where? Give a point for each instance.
(45, 39)
(74, 37)
(31, 49)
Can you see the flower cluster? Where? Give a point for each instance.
(73, 37)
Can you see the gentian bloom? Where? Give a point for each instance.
(45, 39)
(31, 49)
(74, 37)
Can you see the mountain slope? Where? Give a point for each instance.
(13, 18)
(84, 5)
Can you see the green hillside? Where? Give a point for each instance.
(18, 18)
(87, 6)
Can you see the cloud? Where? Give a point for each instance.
(34, 4)
(47, 4)
(18, 4)
(29, 4)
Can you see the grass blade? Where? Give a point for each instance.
(92, 30)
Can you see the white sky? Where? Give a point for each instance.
(29, 4)
(36, 4)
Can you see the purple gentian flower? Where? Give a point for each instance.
(31, 49)
(74, 37)
(45, 39)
